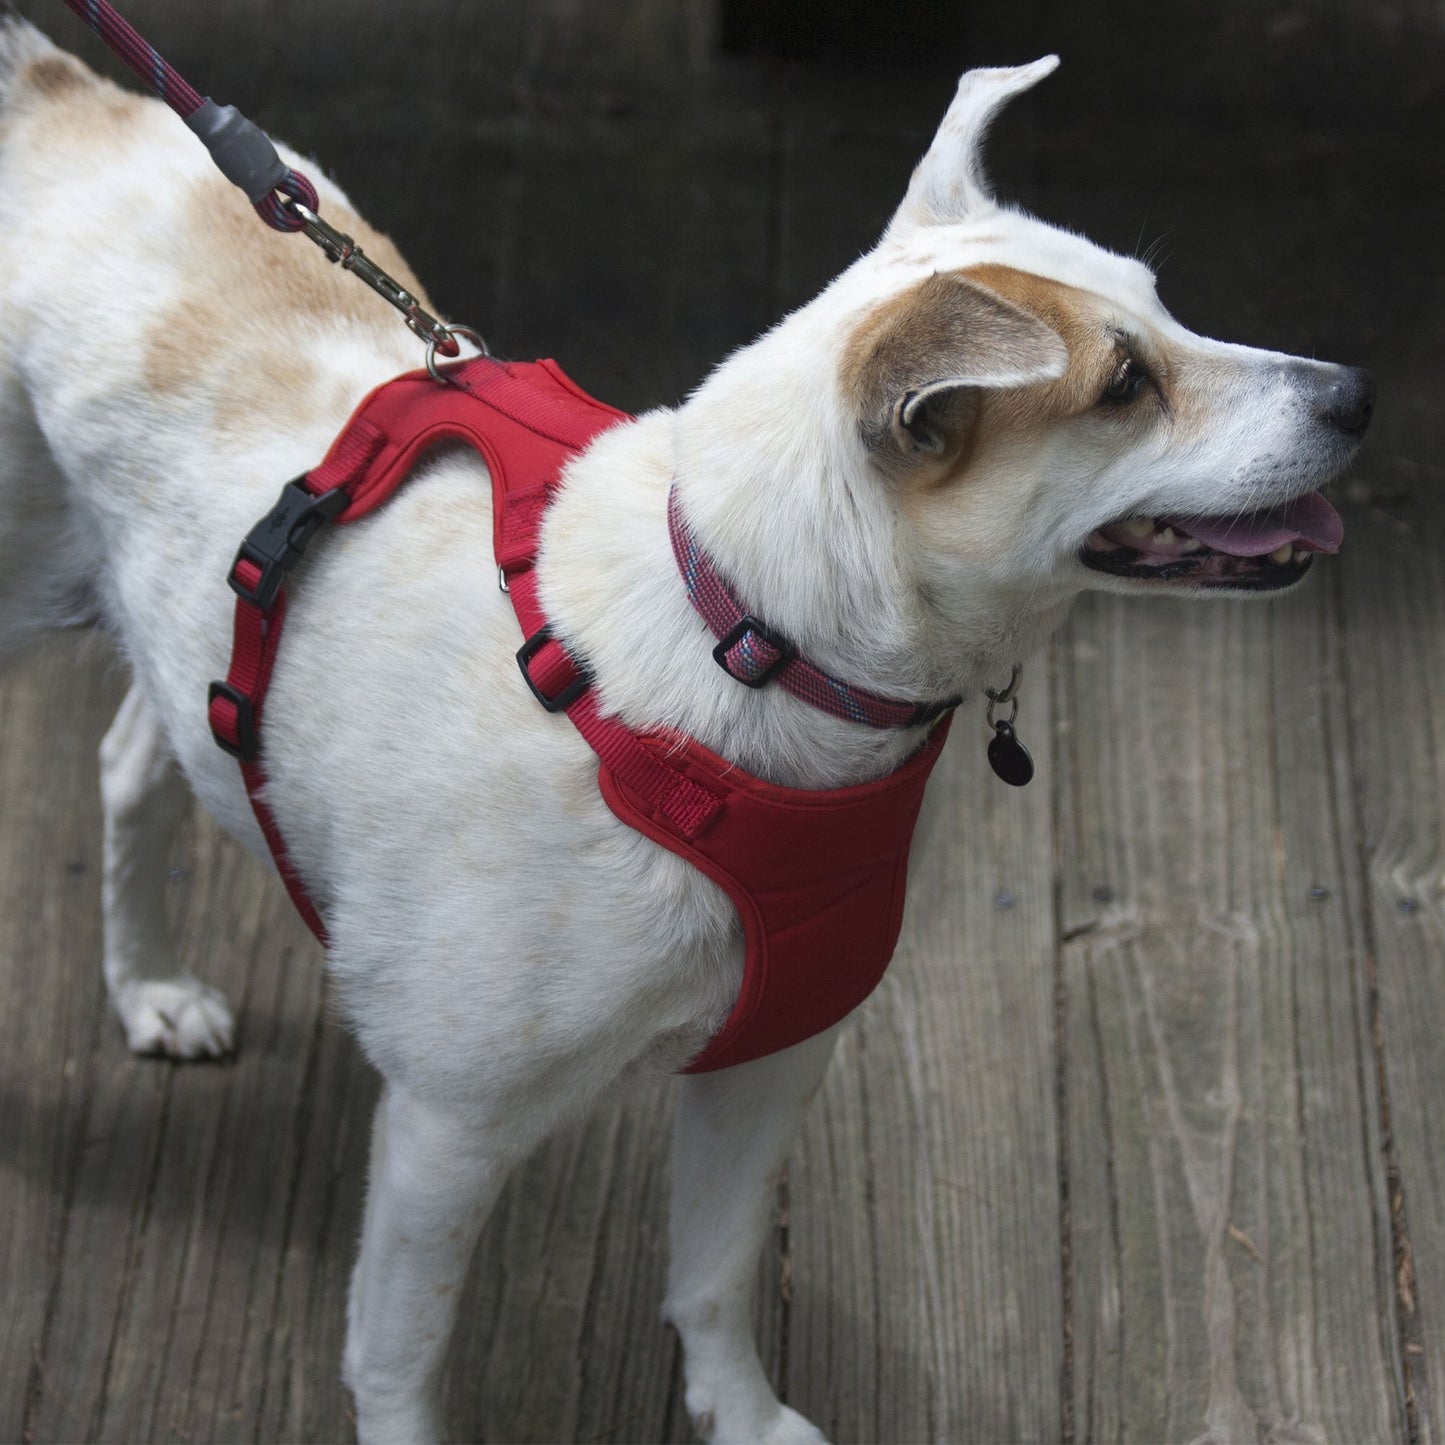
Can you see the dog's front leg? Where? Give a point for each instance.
(163, 1009)
(732, 1135)
(433, 1179)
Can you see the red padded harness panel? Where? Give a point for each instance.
(818, 877)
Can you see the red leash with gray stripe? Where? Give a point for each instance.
(242, 150)
(282, 197)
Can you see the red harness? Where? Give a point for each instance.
(818, 877)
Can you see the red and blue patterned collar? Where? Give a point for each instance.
(755, 654)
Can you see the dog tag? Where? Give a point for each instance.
(1008, 757)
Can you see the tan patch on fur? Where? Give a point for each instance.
(1017, 416)
(54, 75)
(879, 359)
(951, 324)
(80, 107)
(285, 274)
(879, 365)
(1078, 317)
(970, 502)
(256, 288)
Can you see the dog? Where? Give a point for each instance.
(913, 476)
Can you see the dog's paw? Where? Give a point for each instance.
(178, 1018)
(782, 1427)
(790, 1428)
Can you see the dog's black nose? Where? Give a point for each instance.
(1349, 400)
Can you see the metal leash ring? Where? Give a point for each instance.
(449, 330)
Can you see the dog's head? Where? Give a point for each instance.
(1043, 413)
(984, 416)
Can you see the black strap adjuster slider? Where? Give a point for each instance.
(245, 743)
(748, 668)
(573, 690)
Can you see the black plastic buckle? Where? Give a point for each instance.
(247, 746)
(276, 543)
(786, 651)
(569, 694)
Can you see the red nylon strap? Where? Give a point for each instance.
(818, 879)
(253, 654)
(669, 794)
(375, 452)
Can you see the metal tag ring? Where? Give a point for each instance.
(450, 330)
(993, 702)
(1007, 694)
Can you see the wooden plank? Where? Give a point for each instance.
(562, 1336)
(1225, 1190)
(50, 981)
(925, 1205)
(167, 1159)
(1221, 1065)
(1393, 604)
(185, 1347)
(300, 1394)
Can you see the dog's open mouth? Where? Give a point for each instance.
(1258, 552)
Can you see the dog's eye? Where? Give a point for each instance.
(1125, 383)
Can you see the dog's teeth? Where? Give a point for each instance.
(1137, 527)
(1098, 542)
(1282, 554)
(1190, 544)
(1166, 536)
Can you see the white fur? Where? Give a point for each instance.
(503, 946)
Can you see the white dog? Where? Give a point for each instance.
(912, 476)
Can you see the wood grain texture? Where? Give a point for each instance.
(1223, 1144)
(925, 1204)
(1394, 666)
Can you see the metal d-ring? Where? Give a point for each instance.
(1003, 695)
(449, 331)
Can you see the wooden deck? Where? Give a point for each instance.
(1137, 1141)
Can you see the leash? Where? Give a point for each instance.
(283, 197)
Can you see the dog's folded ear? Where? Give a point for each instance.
(915, 366)
(948, 183)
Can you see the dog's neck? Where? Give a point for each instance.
(823, 562)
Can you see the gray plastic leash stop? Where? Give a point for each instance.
(241, 149)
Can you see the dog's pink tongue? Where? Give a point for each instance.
(1309, 522)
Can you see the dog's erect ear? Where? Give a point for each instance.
(948, 184)
(915, 366)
